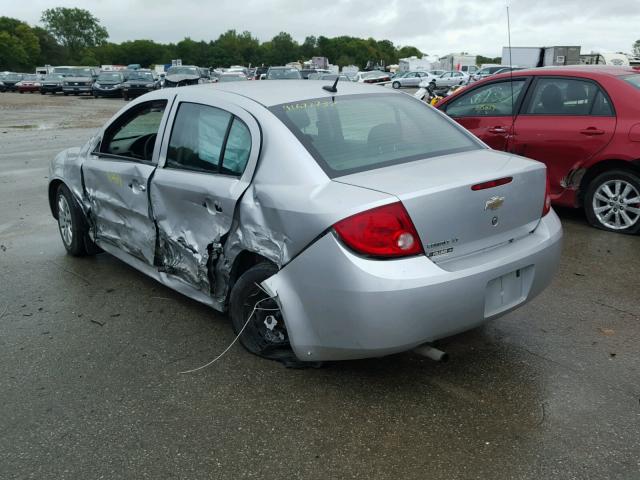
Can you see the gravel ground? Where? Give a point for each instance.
(90, 352)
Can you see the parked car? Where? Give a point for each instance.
(322, 243)
(283, 73)
(108, 84)
(373, 76)
(581, 121)
(78, 81)
(3, 87)
(486, 72)
(232, 77)
(333, 76)
(10, 80)
(182, 76)
(30, 83)
(449, 79)
(260, 71)
(52, 83)
(138, 83)
(411, 79)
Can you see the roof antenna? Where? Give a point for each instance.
(333, 88)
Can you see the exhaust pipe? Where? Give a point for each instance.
(426, 350)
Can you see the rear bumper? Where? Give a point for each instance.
(339, 306)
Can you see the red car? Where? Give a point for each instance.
(29, 83)
(583, 122)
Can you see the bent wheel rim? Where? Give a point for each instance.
(65, 222)
(267, 322)
(616, 204)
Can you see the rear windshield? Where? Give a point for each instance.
(633, 80)
(355, 133)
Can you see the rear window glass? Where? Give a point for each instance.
(633, 80)
(354, 133)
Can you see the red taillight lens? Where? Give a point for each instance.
(547, 198)
(385, 231)
(492, 183)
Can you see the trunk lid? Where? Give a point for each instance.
(452, 219)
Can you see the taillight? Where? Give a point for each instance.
(492, 183)
(384, 232)
(547, 198)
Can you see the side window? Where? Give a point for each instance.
(134, 134)
(562, 96)
(238, 148)
(197, 137)
(493, 100)
(601, 106)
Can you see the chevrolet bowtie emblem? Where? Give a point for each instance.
(494, 203)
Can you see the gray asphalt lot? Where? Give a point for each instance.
(90, 352)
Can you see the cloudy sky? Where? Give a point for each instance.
(436, 28)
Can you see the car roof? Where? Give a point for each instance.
(572, 70)
(276, 92)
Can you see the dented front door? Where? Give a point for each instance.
(116, 178)
(207, 161)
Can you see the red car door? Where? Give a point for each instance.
(563, 123)
(487, 110)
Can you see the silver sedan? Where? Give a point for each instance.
(410, 79)
(329, 224)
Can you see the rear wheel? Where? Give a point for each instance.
(258, 317)
(612, 201)
(395, 85)
(73, 228)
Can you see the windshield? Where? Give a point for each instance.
(633, 80)
(54, 76)
(148, 76)
(106, 77)
(354, 133)
(283, 74)
(81, 72)
(183, 71)
(373, 74)
(30, 78)
(12, 77)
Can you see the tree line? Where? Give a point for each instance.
(73, 36)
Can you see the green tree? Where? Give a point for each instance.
(75, 28)
(309, 47)
(19, 45)
(405, 52)
(284, 49)
(51, 52)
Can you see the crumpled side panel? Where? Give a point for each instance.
(118, 205)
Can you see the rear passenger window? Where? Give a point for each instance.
(236, 153)
(198, 137)
(567, 96)
(601, 106)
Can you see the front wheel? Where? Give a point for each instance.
(74, 231)
(612, 201)
(395, 85)
(257, 318)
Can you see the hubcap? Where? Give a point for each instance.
(65, 223)
(616, 204)
(267, 319)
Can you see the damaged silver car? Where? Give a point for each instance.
(329, 224)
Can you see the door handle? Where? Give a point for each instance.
(592, 131)
(498, 130)
(136, 185)
(217, 206)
